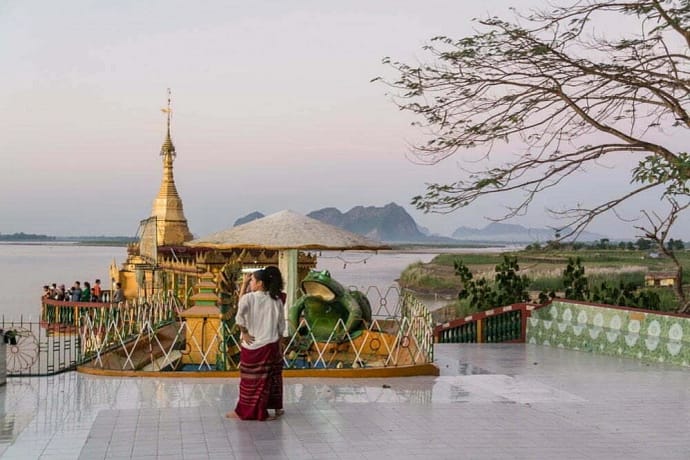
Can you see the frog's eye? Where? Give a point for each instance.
(327, 273)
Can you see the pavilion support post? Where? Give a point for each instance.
(287, 263)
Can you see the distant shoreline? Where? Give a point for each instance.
(84, 240)
(109, 243)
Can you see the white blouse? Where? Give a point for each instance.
(262, 316)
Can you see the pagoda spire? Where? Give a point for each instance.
(168, 149)
(171, 223)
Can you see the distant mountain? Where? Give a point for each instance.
(248, 218)
(462, 232)
(424, 230)
(512, 233)
(390, 223)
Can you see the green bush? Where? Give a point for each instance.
(667, 299)
(508, 286)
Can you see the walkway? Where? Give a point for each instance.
(490, 402)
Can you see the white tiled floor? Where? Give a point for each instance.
(491, 401)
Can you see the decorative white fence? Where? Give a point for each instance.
(154, 338)
(151, 335)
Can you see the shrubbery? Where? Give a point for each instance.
(509, 287)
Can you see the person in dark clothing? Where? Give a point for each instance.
(75, 293)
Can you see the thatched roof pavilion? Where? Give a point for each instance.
(287, 232)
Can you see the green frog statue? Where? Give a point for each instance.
(324, 304)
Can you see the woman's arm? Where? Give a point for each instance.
(244, 287)
(242, 307)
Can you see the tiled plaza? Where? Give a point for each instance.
(491, 402)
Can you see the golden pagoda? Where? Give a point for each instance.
(161, 262)
(171, 224)
(167, 226)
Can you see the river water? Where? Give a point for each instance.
(25, 268)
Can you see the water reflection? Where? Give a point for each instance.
(390, 392)
(70, 403)
(71, 398)
(18, 404)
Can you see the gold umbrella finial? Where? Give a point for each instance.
(168, 147)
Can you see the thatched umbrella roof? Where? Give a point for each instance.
(287, 230)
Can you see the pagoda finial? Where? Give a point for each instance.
(168, 148)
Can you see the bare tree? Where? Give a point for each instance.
(657, 230)
(563, 89)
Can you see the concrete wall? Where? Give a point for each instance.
(613, 331)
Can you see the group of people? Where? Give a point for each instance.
(261, 321)
(76, 293)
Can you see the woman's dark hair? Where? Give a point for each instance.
(272, 279)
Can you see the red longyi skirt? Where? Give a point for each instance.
(261, 382)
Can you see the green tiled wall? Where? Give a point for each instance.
(611, 331)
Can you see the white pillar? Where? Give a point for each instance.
(287, 263)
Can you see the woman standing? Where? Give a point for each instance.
(86, 292)
(261, 320)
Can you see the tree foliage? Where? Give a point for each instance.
(625, 294)
(565, 93)
(507, 288)
(676, 245)
(577, 287)
(643, 243)
(575, 281)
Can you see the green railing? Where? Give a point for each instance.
(504, 327)
(463, 333)
(501, 324)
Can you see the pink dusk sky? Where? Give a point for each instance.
(273, 109)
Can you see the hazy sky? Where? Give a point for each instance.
(273, 109)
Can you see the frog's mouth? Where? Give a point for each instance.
(318, 290)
